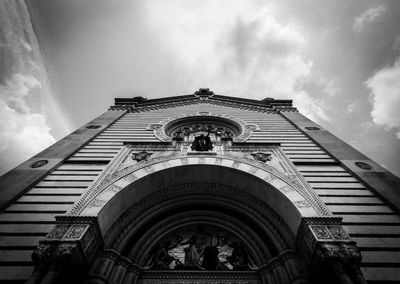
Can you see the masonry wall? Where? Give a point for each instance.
(372, 223)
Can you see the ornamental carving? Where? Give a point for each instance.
(200, 248)
(262, 157)
(42, 254)
(302, 204)
(204, 93)
(338, 233)
(321, 232)
(186, 127)
(343, 252)
(76, 231)
(141, 156)
(123, 168)
(58, 232)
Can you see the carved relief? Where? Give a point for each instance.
(204, 93)
(141, 156)
(96, 203)
(200, 248)
(262, 157)
(344, 252)
(42, 254)
(76, 231)
(58, 232)
(302, 204)
(222, 127)
(321, 232)
(338, 232)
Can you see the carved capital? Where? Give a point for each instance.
(42, 256)
(347, 253)
(67, 256)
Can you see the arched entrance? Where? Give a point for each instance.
(202, 219)
(199, 219)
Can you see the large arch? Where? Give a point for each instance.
(132, 208)
(258, 183)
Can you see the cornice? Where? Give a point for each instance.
(140, 104)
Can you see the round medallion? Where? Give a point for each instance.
(363, 165)
(312, 128)
(39, 164)
(93, 126)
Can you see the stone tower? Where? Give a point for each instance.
(200, 188)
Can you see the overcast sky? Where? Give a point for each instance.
(338, 60)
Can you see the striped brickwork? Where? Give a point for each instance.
(372, 223)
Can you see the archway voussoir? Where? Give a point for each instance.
(166, 164)
(141, 173)
(192, 161)
(160, 166)
(277, 183)
(209, 160)
(244, 167)
(262, 175)
(227, 163)
(174, 163)
(123, 182)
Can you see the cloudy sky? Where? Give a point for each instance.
(63, 61)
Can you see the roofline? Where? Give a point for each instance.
(202, 94)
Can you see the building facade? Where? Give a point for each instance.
(201, 188)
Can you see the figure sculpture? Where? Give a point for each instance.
(202, 143)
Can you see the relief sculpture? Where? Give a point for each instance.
(198, 248)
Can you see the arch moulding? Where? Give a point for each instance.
(128, 194)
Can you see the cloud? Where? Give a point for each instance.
(385, 96)
(22, 133)
(352, 107)
(244, 51)
(332, 89)
(16, 89)
(368, 17)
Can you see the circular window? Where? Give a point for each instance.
(363, 166)
(312, 128)
(217, 128)
(39, 164)
(93, 126)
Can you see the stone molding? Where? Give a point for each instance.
(113, 178)
(191, 101)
